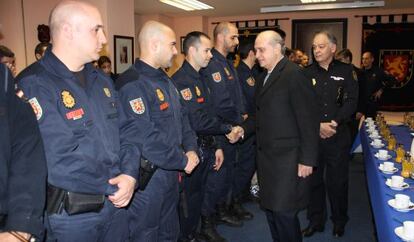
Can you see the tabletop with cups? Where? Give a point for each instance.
(390, 173)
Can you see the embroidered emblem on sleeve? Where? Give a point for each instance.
(186, 94)
(216, 76)
(137, 105)
(67, 99)
(37, 109)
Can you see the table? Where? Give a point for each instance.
(386, 218)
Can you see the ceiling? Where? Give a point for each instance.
(235, 7)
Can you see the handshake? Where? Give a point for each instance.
(192, 161)
(236, 133)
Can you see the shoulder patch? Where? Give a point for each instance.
(186, 94)
(250, 81)
(37, 109)
(137, 105)
(216, 76)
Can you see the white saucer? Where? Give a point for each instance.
(380, 167)
(404, 185)
(399, 231)
(380, 158)
(377, 146)
(404, 210)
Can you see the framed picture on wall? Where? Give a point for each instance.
(123, 53)
(304, 29)
(182, 44)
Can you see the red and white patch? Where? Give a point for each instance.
(216, 76)
(187, 94)
(137, 105)
(37, 109)
(75, 114)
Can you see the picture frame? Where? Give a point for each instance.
(304, 29)
(123, 53)
(182, 44)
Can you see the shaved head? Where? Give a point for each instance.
(226, 37)
(157, 44)
(223, 28)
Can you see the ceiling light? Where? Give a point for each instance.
(187, 5)
(317, 1)
(322, 6)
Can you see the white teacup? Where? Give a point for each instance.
(397, 181)
(388, 166)
(408, 229)
(402, 201)
(377, 142)
(383, 154)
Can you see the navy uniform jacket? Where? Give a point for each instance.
(222, 80)
(248, 86)
(79, 126)
(22, 162)
(153, 122)
(337, 90)
(196, 98)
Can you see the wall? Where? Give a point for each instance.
(20, 34)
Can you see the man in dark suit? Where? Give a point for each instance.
(287, 130)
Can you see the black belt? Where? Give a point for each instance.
(207, 141)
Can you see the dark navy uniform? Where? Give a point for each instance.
(226, 95)
(337, 94)
(155, 126)
(200, 193)
(22, 163)
(78, 120)
(375, 79)
(247, 148)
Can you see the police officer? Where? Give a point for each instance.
(247, 148)
(155, 127)
(337, 93)
(22, 167)
(76, 109)
(222, 80)
(201, 195)
(375, 82)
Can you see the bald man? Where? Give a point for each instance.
(155, 128)
(287, 131)
(227, 100)
(76, 109)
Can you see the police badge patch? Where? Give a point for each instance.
(37, 109)
(250, 81)
(186, 94)
(107, 92)
(137, 105)
(198, 92)
(67, 99)
(216, 76)
(160, 95)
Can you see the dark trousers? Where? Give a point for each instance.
(192, 195)
(230, 156)
(153, 214)
(334, 162)
(245, 166)
(110, 224)
(215, 184)
(284, 226)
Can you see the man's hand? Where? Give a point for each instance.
(304, 171)
(219, 159)
(192, 161)
(327, 130)
(236, 133)
(377, 95)
(126, 187)
(8, 237)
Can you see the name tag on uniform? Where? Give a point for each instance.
(75, 114)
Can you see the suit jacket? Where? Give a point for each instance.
(287, 130)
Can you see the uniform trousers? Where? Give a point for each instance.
(245, 166)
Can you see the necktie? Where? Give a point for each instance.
(267, 76)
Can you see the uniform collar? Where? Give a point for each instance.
(330, 66)
(189, 69)
(148, 70)
(54, 65)
(218, 55)
(244, 65)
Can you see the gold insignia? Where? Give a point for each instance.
(137, 105)
(251, 81)
(313, 81)
(68, 99)
(186, 94)
(227, 71)
(198, 92)
(354, 75)
(107, 92)
(160, 95)
(37, 109)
